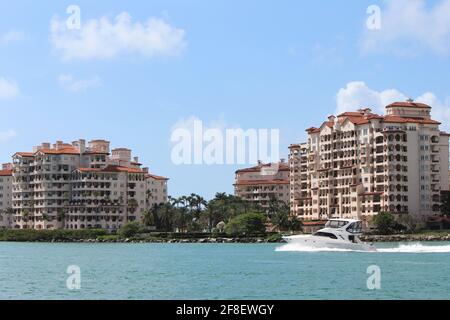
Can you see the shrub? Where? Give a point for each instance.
(30, 235)
(246, 224)
(130, 229)
(274, 237)
(384, 222)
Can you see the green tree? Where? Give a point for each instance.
(166, 217)
(384, 222)
(246, 224)
(26, 217)
(148, 218)
(445, 208)
(130, 229)
(295, 224)
(279, 214)
(61, 216)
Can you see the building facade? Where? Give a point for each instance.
(78, 186)
(262, 183)
(359, 163)
(156, 189)
(5, 195)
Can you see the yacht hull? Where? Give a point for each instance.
(327, 243)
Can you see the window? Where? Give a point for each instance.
(325, 234)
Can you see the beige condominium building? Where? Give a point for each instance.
(5, 194)
(261, 183)
(156, 189)
(359, 163)
(79, 186)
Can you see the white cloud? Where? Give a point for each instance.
(357, 94)
(409, 26)
(8, 89)
(7, 135)
(102, 38)
(68, 82)
(441, 109)
(12, 37)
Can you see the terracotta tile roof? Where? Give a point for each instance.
(261, 182)
(66, 150)
(282, 167)
(5, 173)
(397, 119)
(25, 154)
(329, 124)
(122, 169)
(60, 151)
(313, 223)
(409, 105)
(312, 130)
(351, 114)
(360, 117)
(96, 152)
(89, 169)
(156, 177)
(356, 120)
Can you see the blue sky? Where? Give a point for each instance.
(251, 64)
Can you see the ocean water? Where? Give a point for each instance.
(222, 271)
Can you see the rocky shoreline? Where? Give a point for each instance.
(405, 238)
(257, 240)
(205, 240)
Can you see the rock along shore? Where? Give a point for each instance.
(255, 240)
(205, 240)
(405, 238)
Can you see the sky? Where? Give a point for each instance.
(132, 71)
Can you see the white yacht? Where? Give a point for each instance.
(337, 234)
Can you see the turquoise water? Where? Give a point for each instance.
(221, 271)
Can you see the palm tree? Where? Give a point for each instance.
(148, 218)
(8, 212)
(148, 195)
(221, 196)
(198, 204)
(25, 217)
(61, 216)
(166, 216)
(154, 211)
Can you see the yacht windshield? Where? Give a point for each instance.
(325, 234)
(335, 224)
(355, 228)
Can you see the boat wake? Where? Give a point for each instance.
(295, 247)
(402, 248)
(417, 248)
